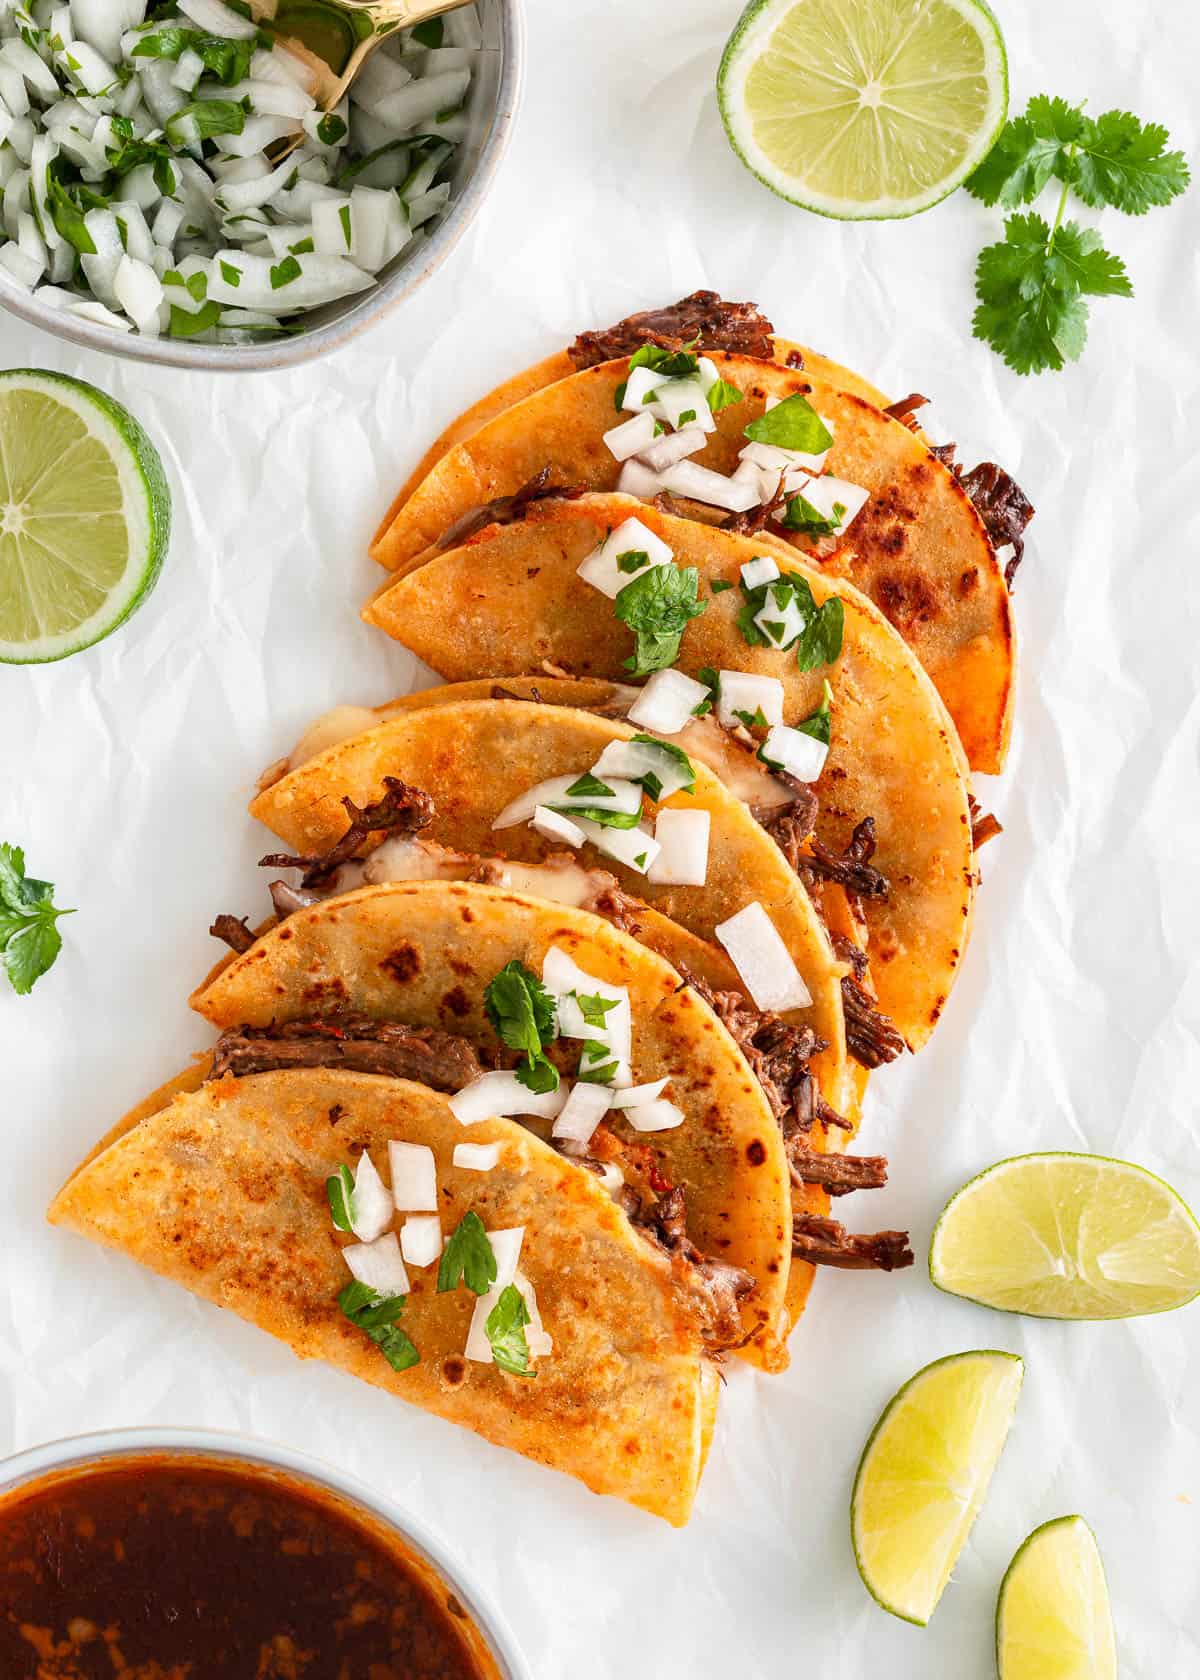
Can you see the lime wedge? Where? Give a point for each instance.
(1053, 1620)
(924, 1474)
(1060, 1235)
(863, 108)
(85, 514)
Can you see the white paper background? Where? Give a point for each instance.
(125, 773)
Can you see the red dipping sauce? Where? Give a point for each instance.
(177, 1567)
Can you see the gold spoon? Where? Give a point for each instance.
(336, 37)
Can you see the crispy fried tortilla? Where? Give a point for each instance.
(222, 1189)
(509, 600)
(919, 548)
(422, 953)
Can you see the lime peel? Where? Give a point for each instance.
(863, 109)
(924, 1474)
(85, 515)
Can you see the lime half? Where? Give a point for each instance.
(924, 1474)
(1053, 1621)
(1061, 1235)
(863, 108)
(85, 514)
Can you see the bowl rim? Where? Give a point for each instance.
(373, 304)
(32, 1463)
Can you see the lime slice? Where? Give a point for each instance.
(85, 514)
(924, 1474)
(863, 108)
(1053, 1620)
(1060, 1235)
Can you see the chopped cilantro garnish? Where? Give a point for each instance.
(203, 119)
(723, 395)
(302, 246)
(712, 682)
(468, 1257)
(593, 1007)
(632, 560)
(505, 1328)
(589, 787)
(375, 1315)
(522, 1012)
(339, 1187)
(753, 720)
(792, 424)
(686, 418)
(672, 364)
(800, 515)
(593, 1070)
(657, 606)
(284, 273)
(344, 218)
(601, 817)
(332, 128)
(232, 276)
(650, 781)
(187, 323)
(819, 640)
(429, 33)
(29, 936)
(819, 724)
(718, 586)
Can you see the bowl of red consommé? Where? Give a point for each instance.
(163, 1554)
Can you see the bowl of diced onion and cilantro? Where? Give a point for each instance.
(145, 208)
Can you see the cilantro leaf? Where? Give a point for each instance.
(598, 814)
(650, 781)
(792, 424)
(186, 323)
(756, 719)
(589, 786)
(522, 1012)
(29, 936)
(202, 119)
(429, 33)
(339, 1187)
(505, 1326)
(633, 560)
(593, 1007)
(284, 273)
(658, 606)
(1079, 257)
(718, 586)
(723, 395)
(712, 682)
(376, 1315)
(1123, 162)
(1029, 150)
(819, 640)
(819, 724)
(468, 1257)
(672, 364)
(593, 1069)
(332, 128)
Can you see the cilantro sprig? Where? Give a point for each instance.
(522, 1012)
(505, 1326)
(468, 1257)
(1032, 286)
(29, 936)
(657, 606)
(819, 639)
(376, 1315)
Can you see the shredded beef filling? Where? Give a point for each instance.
(754, 519)
(401, 810)
(838, 1174)
(791, 827)
(871, 1038)
(906, 409)
(739, 328)
(507, 510)
(441, 1060)
(234, 931)
(777, 1052)
(823, 1242)
(715, 1286)
(984, 826)
(999, 501)
(853, 869)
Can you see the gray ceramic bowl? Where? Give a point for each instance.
(491, 109)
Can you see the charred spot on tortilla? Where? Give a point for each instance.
(756, 1152)
(403, 964)
(457, 1002)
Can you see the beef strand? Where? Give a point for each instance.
(401, 810)
(791, 826)
(1004, 508)
(984, 826)
(778, 1054)
(441, 1060)
(234, 931)
(853, 869)
(507, 510)
(838, 1174)
(871, 1038)
(716, 1286)
(906, 408)
(823, 1242)
(739, 328)
(748, 524)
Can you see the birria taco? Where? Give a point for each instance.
(682, 403)
(550, 1324)
(534, 595)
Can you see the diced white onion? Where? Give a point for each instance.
(637, 479)
(683, 849)
(689, 478)
(379, 1265)
(826, 492)
(781, 622)
(665, 451)
(414, 1177)
(506, 1246)
(630, 437)
(538, 1342)
(639, 385)
(584, 1109)
(743, 691)
(555, 826)
(476, 1157)
(660, 1116)
(623, 797)
(633, 1096)
(801, 755)
(635, 847)
(219, 20)
(421, 1239)
(763, 960)
(600, 568)
(139, 291)
(637, 759)
(495, 1095)
(372, 1201)
(667, 702)
(761, 570)
(677, 397)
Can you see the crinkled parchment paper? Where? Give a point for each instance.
(125, 773)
